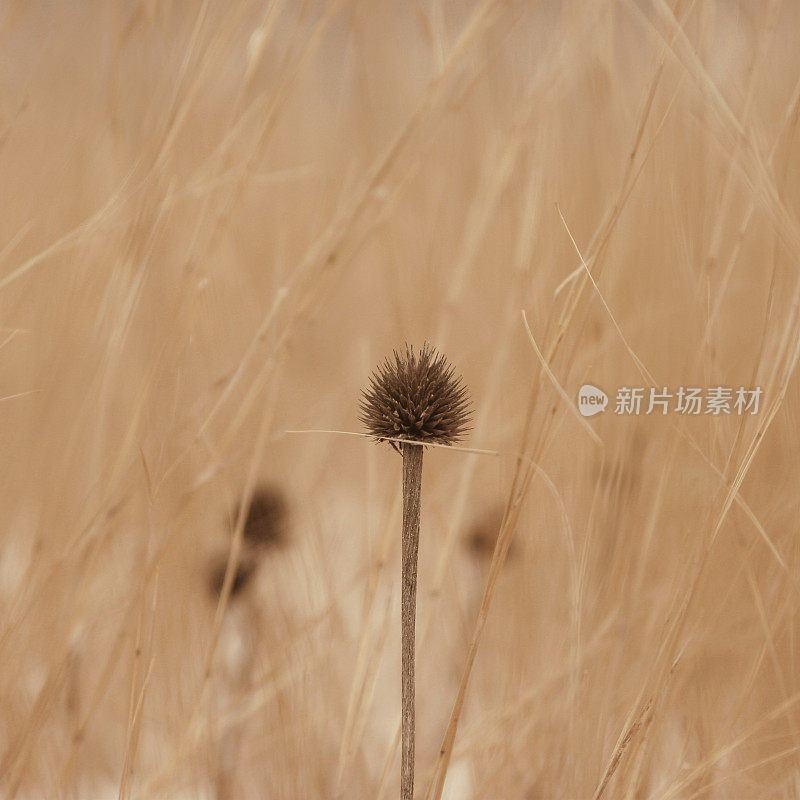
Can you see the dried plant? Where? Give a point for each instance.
(413, 400)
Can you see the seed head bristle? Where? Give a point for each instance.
(418, 397)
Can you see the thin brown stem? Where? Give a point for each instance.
(412, 487)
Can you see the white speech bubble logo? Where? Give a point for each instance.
(591, 400)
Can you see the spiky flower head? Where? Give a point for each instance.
(418, 397)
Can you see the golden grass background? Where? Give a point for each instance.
(217, 217)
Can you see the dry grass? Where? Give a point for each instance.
(218, 217)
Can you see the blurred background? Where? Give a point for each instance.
(217, 218)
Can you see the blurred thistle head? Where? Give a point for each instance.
(265, 523)
(241, 578)
(418, 397)
(481, 538)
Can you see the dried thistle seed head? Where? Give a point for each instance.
(416, 396)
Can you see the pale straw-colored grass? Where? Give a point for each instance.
(218, 217)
